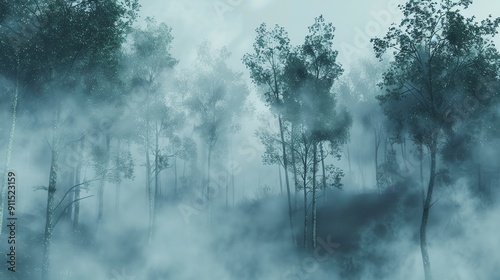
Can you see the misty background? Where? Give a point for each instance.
(153, 184)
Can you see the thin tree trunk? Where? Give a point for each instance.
(51, 189)
(148, 172)
(208, 185)
(117, 185)
(315, 163)
(281, 181)
(348, 159)
(361, 173)
(100, 198)
(422, 172)
(227, 189)
(71, 196)
(323, 171)
(385, 147)
(304, 187)
(296, 184)
(305, 210)
(78, 170)
(232, 182)
(376, 138)
(184, 168)
(232, 171)
(155, 190)
(425, 213)
(149, 193)
(175, 177)
(159, 188)
(102, 182)
(148, 188)
(403, 152)
(285, 164)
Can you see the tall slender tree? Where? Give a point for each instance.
(215, 94)
(150, 53)
(310, 75)
(266, 65)
(439, 56)
(68, 43)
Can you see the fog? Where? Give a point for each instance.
(156, 148)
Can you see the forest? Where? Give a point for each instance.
(249, 139)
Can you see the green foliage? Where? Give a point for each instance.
(151, 52)
(319, 56)
(444, 177)
(310, 73)
(123, 166)
(157, 115)
(388, 171)
(334, 177)
(215, 94)
(99, 157)
(440, 58)
(188, 150)
(271, 140)
(56, 43)
(267, 63)
(263, 192)
(298, 85)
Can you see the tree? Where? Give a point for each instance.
(111, 166)
(15, 35)
(326, 124)
(152, 60)
(80, 146)
(439, 57)
(215, 94)
(68, 43)
(311, 73)
(266, 65)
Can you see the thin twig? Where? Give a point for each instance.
(95, 179)
(67, 208)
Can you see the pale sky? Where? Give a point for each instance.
(232, 23)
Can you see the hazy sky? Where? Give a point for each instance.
(232, 23)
